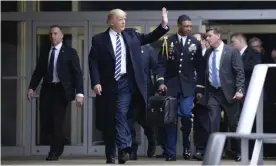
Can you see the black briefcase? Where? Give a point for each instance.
(161, 110)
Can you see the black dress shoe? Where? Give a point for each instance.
(110, 160)
(187, 154)
(120, 161)
(66, 141)
(123, 156)
(52, 157)
(133, 156)
(198, 156)
(163, 155)
(170, 158)
(238, 158)
(151, 150)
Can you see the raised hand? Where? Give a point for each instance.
(164, 17)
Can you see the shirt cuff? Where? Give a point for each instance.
(80, 95)
(165, 27)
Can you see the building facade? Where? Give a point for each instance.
(25, 28)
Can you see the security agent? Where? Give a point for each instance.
(181, 55)
(149, 59)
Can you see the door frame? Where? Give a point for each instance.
(71, 149)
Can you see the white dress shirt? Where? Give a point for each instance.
(242, 50)
(183, 39)
(55, 74)
(218, 57)
(203, 51)
(113, 36)
(57, 50)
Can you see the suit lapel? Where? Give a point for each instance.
(108, 43)
(223, 54)
(208, 55)
(178, 43)
(244, 54)
(60, 56)
(127, 40)
(187, 42)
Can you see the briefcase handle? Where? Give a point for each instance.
(161, 94)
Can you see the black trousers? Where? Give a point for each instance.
(201, 127)
(53, 104)
(218, 102)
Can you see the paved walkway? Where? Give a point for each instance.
(75, 160)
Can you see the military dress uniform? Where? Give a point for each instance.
(178, 60)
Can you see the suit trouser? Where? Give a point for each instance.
(185, 112)
(148, 131)
(217, 102)
(201, 126)
(52, 107)
(123, 100)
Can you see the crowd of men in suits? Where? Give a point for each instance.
(205, 74)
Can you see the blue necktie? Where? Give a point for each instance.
(118, 54)
(214, 70)
(51, 66)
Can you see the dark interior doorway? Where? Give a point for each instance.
(268, 40)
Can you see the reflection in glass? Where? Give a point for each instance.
(13, 6)
(73, 126)
(52, 6)
(13, 92)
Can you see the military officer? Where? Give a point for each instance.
(180, 57)
(149, 59)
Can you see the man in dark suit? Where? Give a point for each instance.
(201, 116)
(59, 67)
(250, 56)
(224, 80)
(118, 78)
(180, 58)
(149, 59)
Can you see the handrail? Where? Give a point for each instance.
(216, 144)
(253, 106)
(252, 99)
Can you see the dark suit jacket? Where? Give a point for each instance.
(68, 69)
(231, 73)
(250, 58)
(102, 68)
(178, 69)
(149, 58)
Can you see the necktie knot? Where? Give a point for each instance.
(118, 34)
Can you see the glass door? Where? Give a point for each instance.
(75, 126)
(197, 27)
(95, 140)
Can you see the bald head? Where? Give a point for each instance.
(117, 19)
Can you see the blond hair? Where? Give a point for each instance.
(115, 12)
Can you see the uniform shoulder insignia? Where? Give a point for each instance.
(165, 51)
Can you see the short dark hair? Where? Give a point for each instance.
(217, 30)
(55, 26)
(183, 18)
(239, 35)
